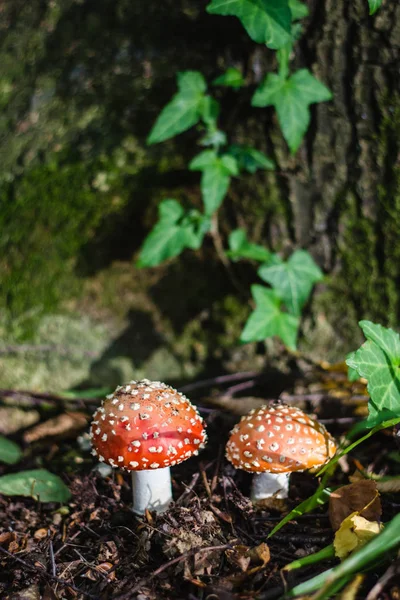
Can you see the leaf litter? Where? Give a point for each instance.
(212, 543)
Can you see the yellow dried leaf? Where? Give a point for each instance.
(260, 554)
(354, 532)
(40, 534)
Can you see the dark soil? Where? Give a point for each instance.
(211, 545)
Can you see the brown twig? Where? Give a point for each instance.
(44, 574)
(219, 248)
(52, 559)
(392, 572)
(188, 489)
(37, 398)
(220, 379)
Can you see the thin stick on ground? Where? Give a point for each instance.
(43, 574)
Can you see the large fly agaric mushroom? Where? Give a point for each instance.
(275, 441)
(146, 427)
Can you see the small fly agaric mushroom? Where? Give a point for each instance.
(275, 441)
(147, 427)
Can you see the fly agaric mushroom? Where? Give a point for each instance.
(147, 427)
(275, 441)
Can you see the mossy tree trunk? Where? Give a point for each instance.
(351, 159)
(94, 79)
(343, 185)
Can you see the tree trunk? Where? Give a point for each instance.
(343, 185)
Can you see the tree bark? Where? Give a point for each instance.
(343, 185)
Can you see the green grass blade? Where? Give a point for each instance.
(320, 497)
(383, 425)
(311, 559)
(380, 547)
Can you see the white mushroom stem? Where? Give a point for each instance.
(151, 490)
(266, 485)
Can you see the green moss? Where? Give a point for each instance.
(369, 248)
(46, 218)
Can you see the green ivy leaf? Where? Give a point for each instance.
(374, 5)
(197, 225)
(293, 280)
(37, 483)
(240, 247)
(378, 360)
(291, 98)
(250, 159)
(173, 232)
(298, 9)
(231, 78)
(10, 452)
(209, 111)
(268, 320)
(216, 177)
(205, 159)
(266, 21)
(352, 374)
(183, 111)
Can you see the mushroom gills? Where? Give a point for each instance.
(268, 485)
(151, 490)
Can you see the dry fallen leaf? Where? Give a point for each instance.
(40, 534)
(243, 557)
(13, 419)
(389, 486)
(238, 556)
(6, 538)
(354, 532)
(105, 569)
(361, 497)
(260, 554)
(49, 594)
(60, 427)
(30, 593)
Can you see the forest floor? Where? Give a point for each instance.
(212, 544)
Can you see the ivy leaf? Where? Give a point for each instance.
(197, 225)
(203, 160)
(240, 247)
(10, 452)
(266, 21)
(174, 231)
(374, 5)
(231, 78)
(352, 374)
(209, 111)
(268, 320)
(250, 159)
(291, 98)
(216, 177)
(378, 360)
(298, 9)
(292, 279)
(37, 483)
(183, 111)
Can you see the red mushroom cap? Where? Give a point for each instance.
(146, 425)
(279, 439)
